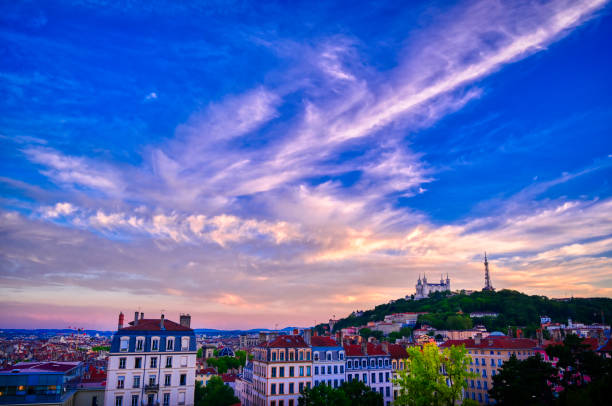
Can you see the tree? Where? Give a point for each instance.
(242, 356)
(215, 393)
(527, 382)
(323, 395)
(361, 395)
(424, 380)
(200, 353)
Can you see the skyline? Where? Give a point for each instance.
(256, 165)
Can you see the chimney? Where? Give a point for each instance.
(477, 339)
(185, 320)
(364, 347)
(120, 324)
(141, 316)
(308, 336)
(135, 318)
(295, 331)
(161, 322)
(385, 346)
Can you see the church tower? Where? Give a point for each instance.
(488, 285)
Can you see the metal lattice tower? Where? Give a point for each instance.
(488, 285)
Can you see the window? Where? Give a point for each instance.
(139, 344)
(372, 363)
(123, 345)
(155, 344)
(307, 371)
(291, 355)
(136, 381)
(273, 372)
(476, 360)
(335, 369)
(329, 370)
(480, 397)
(281, 388)
(291, 371)
(386, 377)
(484, 373)
(183, 361)
(316, 356)
(380, 377)
(485, 385)
(301, 387)
(492, 361)
(282, 355)
(122, 362)
(134, 400)
(364, 364)
(181, 398)
(341, 355)
(185, 345)
(290, 402)
(388, 391)
(183, 381)
(349, 364)
(120, 382)
(335, 383)
(273, 389)
(166, 399)
(138, 362)
(301, 357)
(152, 380)
(154, 362)
(168, 362)
(169, 343)
(483, 362)
(118, 400)
(167, 380)
(274, 356)
(307, 355)
(150, 399)
(478, 384)
(329, 356)
(301, 371)
(373, 377)
(291, 387)
(281, 372)
(365, 378)
(341, 369)
(386, 362)
(316, 370)
(380, 363)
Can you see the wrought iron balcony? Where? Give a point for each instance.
(151, 387)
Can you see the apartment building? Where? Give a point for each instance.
(328, 362)
(488, 355)
(398, 355)
(371, 364)
(282, 369)
(151, 362)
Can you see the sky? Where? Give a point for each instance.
(260, 164)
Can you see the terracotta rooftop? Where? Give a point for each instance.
(397, 351)
(288, 341)
(323, 341)
(497, 342)
(41, 367)
(354, 350)
(154, 325)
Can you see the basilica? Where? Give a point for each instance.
(423, 288)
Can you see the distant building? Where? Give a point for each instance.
(545, 320)
(488, 355)
(244, 386)
(371, 364)
(152, 362)
(423, 288)
(328, 362)
(483, 314)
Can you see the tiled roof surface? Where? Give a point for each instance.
(42, 367)
(397, 351)
(228, 377)
(154, 325)
(288, 341)
(497, 342)
(354, 350)
(323, 341)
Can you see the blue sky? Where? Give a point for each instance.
(241, 160)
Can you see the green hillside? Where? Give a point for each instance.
(514, 308)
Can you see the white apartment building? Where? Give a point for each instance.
(152, 362)
(328, 362)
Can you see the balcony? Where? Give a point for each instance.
(151, 387)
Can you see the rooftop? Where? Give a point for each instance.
(323, 341)
(41, 367)
(494, 342)
(288, 341)
(155, 325)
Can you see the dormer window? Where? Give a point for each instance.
(301, 356)
(308, 355)
(291, 355)
(329, 356)
(124, 344)
(139, 343)
(170, 344)
(316, 356)
(282, 356)
(185, 344)
(341, 355)
(273, 355)
(155, 344)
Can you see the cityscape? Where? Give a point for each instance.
(268, 203)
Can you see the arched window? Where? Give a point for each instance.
(316, 356)
(329, 355)
(349, 364)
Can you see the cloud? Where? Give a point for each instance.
(60, 209)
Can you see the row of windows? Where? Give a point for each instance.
(329, 369)
(152, 362)
(483, 362)
(152, 380)
(528, 353)
(327, 355)
(484, 386)
(484, 372)
(329, 382)
(291, 355)
(290, 388)
(474, 394)
(281, 371)
(150, 400)
(155, 344)
(364, 363)
(381, 378)
(282, 403)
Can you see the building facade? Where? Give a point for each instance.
(152, 362)
(398, 355)
(371, 364)
(423, 288)
(282, 369)
(328, 362)
(488, 355)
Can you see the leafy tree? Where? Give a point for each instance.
(361, 395)
(323, 395)
(527, 382)
(424, 381)
(215, 393)
(200, 353)
(99, 348)
(242, 356)
(225, 363)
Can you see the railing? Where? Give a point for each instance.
(151, 387)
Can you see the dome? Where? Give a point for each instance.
(497, 334)
(226, 352)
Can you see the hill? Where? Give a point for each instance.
(451, 311)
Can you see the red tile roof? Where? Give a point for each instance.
(397, 351)
(154, 325)
(323, 341)
(354, 350)
(375, 349)
(591, 342)
(607, 347)
(497, 342)
(42, 367)
(228, 377)
(288, 341)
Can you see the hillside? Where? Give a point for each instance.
(514, 308)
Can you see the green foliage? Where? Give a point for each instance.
(404, 332)
(225, 363)
(523, 382)
(215, 393)
(215, 352)
(423, 383)
(353, 393)
(99, 348)
(514, 308)
(200, 352)
(367, 333)
(242, 356)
